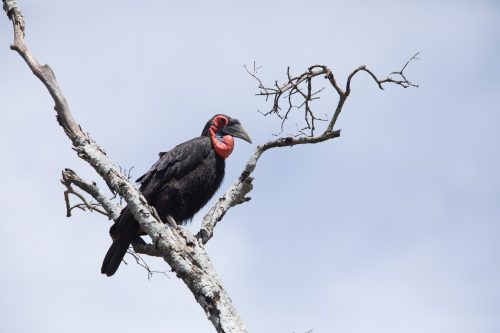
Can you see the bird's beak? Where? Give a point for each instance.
(236, 130)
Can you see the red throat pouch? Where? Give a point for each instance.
(223, 145)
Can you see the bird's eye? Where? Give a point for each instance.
(222, 121)
(219, 121)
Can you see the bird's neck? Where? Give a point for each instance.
(223, 144)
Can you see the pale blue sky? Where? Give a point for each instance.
(394, 227)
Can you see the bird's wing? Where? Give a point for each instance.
(174, 164)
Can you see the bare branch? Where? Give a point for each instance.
(236, 194)
(183, 252)
(253, 74)
(405, 83)
(44, 73)
(293, 87)
(302, 87)
(70, 177)
(141, 262)
(112, 211)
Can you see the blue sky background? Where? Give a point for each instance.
(394, 227)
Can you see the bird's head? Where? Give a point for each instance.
(222, 130)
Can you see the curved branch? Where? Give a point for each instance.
(405, 83)
(292, 86)
(44, 73)
(178, 247)
(235, 195)
(70, 177)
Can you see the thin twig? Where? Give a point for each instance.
(69, 177)
(302, 87)
(141, 262)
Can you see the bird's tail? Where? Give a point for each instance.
(114, 256)
(123, 233)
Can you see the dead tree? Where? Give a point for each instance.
(184, 252)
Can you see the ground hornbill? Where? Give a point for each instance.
(180, 183)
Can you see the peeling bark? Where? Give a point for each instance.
(177, 246)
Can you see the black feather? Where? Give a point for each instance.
(179, 184)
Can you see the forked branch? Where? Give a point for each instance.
(105, 206)
(301, 86)
(297, 93)
(177, 246)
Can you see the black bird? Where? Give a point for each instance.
(180, 183)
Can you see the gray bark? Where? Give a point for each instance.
(183, 252)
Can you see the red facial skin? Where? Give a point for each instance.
(223, 146)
